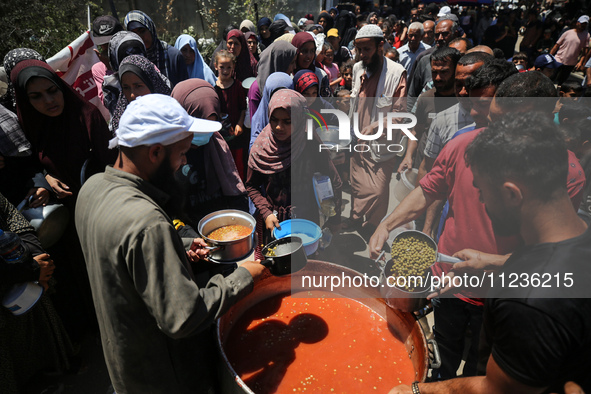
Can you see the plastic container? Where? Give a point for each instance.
(308, 231)
(22, 297)
(406, 184)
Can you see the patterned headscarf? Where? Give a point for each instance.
(148, 73)
(156, 53)
(305, 79)
(13, 58)
(123, 44)
(270, 155)
(198, 69)
(246, 64)
(260, 118)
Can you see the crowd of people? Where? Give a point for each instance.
(501, 148)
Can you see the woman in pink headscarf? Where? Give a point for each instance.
(246, 64)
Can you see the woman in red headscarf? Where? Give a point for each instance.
(246, 64)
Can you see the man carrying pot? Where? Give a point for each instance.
(154, 314)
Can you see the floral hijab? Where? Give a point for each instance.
(148, 73)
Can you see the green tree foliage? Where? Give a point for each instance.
(46, 26)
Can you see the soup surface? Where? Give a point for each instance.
(290, 344)
(229, 233)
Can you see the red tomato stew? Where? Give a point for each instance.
(290, 344)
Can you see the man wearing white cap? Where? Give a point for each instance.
(568, 47)
(154, 314)
(378, 86)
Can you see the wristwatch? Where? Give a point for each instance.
(415, 388)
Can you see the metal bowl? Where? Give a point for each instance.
(228, 251)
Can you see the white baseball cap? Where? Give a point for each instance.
(158, 119)
(583, 19)
(445, 10)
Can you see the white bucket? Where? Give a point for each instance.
(406, 184)
(22, 297)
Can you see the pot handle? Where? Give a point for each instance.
(443, 258)
(434, 355)
(267, 263)
(380, 261)
(214, 248)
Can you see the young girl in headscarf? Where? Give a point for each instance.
(326, 21)
(306, 46)
(70, 137)
(196, 67)
(283, 162)
(210, 175)
(167, 58)
(138, 77)
(278, 57)
(264, 32)
(121, 45)
(11, 59)
(65, 131)
(253, 44)
(246, 64)
(274, 83)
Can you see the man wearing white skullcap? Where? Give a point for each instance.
(154, 312)
(379, 84)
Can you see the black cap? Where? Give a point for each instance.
(103, 28)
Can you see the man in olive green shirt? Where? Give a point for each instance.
(155, 315)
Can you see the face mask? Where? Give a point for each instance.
(201, 139)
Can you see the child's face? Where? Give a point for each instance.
(348, 76)
(392, 56)
(520, 62)
(328, 56)
(311, 94)
(568, 94)
(224, 67)
(252, 45)
(343, 103)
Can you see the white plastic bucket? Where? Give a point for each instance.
(406, 184)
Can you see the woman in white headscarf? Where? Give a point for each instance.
(196, 67)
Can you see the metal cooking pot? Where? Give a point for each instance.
(288, 256)
(403, 300)
(403, 326)
(228, 252)
(49, 221)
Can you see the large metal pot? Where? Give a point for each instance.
(228, 251)
(403, 326)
